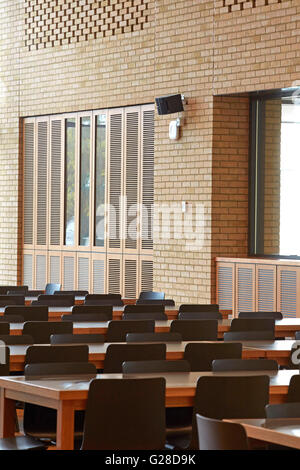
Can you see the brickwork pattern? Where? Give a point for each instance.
(59, 22)
(228, 6)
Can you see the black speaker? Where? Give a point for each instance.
(169, 104)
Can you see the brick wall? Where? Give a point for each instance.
(62, 62)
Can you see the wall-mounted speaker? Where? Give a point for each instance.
(169, 104)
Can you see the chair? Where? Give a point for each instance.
(12, 300)
(84, 317)
(149, 295)
(214, 434)
(283, 410)
(16, 339)
(252, 324)
(199, 316)
(196, 330)
(78, 338)
(116, 354)
(28, 313)
(253, 315)
(51, 288)
(117, 329)
(76, 293)
(190, 308)
(165, 302)
(4, 328)
(201, 355)
(263, 335)
(49, 370)
(156, 316)
(11, 319)
(294, 389)
(162, 365)
(153, 337)
(55, 300)
(106, 311)
(224, 365)
(104, 299)
(57, 353)
(34, 293)
(19, 289)
(41, 330)
(126, 414)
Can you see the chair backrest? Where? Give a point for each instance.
(294, 389)
(4, 328)
(20, 289)
(252, 324)
(4, 364)
(127, 414)
(198, 308)
(77, 293)
(51, 288)
(283, 410)
(104, 299)
(29, 313)
(199, 316)
(297, 335)
(16, 339)
(12, 300)
(42, 330)
(227, 397)
(196, 330)
(136, 367)
(106, 311)
(57, 353)
(11, 319)
(34, 293)
(144, 308)
(116, 354)
(223, 365)
(57, 369)
(263, 335)
(117, 329)
(214, 434)
(145, 316)
(56, 300)
(153, 337)
(84, 317)
(77, 338)
(149, 295)
(272, 315)
(165, 302)
(201, 355)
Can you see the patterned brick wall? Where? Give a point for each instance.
(228, 6)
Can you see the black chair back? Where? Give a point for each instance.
(140, 367)
(28, 313)
(224, 365)
(116, 354)
(104, 299)
(77, 338)
(41, 330)
(117, 329)
(196, 330)
(214, 434)
(164, 337)
(201, 355)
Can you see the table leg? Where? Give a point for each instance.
(65, 426)
(7, 415)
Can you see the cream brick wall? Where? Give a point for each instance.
(199, 48)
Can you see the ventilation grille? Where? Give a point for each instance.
(130, 279)
(41, 271)
(99, 276)
(265, 287)
(132, 166)
(114, 276)
(148, 179)
(83, 273)
(115, 180)
(225, 287)
(288, 293)
(55, 182)
(41, 229)
(27, 271)
(69, 273)
(55, 269)
(28, 183)
(147, 276)
(245, 290)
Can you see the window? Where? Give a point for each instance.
(275, 175)
(70, 181)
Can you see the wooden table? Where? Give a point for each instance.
(278, 350)
(69, 395)
(284, 432)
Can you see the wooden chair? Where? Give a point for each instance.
(78, 338)
(55, 300)
(164, 337)
(117, 329)
(28, 313)
(116, 354)
(253, 315)
(41, 330)
(104, 299)
(263, 335)
(12, 300)
(201, 355)
(106, 311)
(214, 434)
(225, 365)
(196, 330)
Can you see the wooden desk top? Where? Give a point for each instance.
(285, 432)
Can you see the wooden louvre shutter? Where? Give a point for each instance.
(115, 180)
(225, 287)
(69, 266)
(28, 270)
(131, 180)
(147, 275)
(98, 276)
(83, 273)
(28, 182)
(266, 288)
(245, 288)
(114, 276)
(288, 292)
(42, 181)
(54, 269)
(40, 271)
(55, 195)
(147, 179)
(130, 280)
